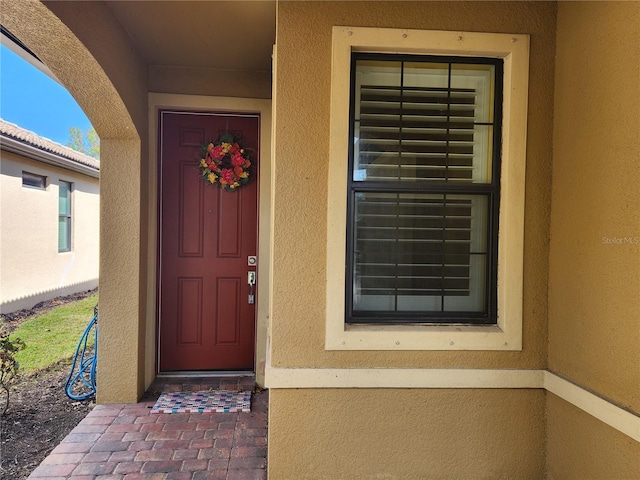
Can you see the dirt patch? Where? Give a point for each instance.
(40, 414)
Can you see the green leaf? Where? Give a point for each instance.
(227, 138)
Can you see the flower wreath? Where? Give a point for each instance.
(224, 162)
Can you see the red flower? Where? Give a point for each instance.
(237, 171)
(217, 152)
(227, 175)
(237, 160)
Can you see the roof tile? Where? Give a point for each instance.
(13, 131)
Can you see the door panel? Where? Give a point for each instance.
(206, 236)
(229, 289)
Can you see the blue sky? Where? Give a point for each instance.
(35, 102)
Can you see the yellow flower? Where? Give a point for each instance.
(203, 163)
(212, 177)
(236, 184)
(244, 175)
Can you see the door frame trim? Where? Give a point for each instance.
(197, 103)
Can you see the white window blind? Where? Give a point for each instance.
(421, 188)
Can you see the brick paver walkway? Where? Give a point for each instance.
(126, 442)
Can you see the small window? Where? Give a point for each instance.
(64, 216)
(33, 180)
(423, 189)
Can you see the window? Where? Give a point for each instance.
(34, 180)
(414, 259)
(424, 170)
(64, 216)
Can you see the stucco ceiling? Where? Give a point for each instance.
(237, 35)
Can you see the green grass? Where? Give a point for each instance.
(53, 336)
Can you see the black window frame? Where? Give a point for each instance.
(491, 190)
(34, 180)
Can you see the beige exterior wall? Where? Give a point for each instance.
(31, 268)
(594, 278)
(391, 432)
(302, 120)
(580, 447)
(410, 434)
(197, 81)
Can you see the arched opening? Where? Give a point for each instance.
(83, 47)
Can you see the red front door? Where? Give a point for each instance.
(208, 235)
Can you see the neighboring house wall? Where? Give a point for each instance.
(594, 274)
(31, 267)
(392, 431)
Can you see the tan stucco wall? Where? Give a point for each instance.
(31, 268)
(581, 447)
(408, 434)
(594, 285)
(198, 81)
(122, 314)
(302, 136)
(114, 96)
(83, 45)
(394, 433)
(594, 274)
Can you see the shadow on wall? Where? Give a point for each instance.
(30, 300)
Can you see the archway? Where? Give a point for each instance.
(84, 47)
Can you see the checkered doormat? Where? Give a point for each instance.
(215, 401)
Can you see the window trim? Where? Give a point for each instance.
(507, 334)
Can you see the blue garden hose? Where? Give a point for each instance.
(81, 383)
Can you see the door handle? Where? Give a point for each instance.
(251, 280)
